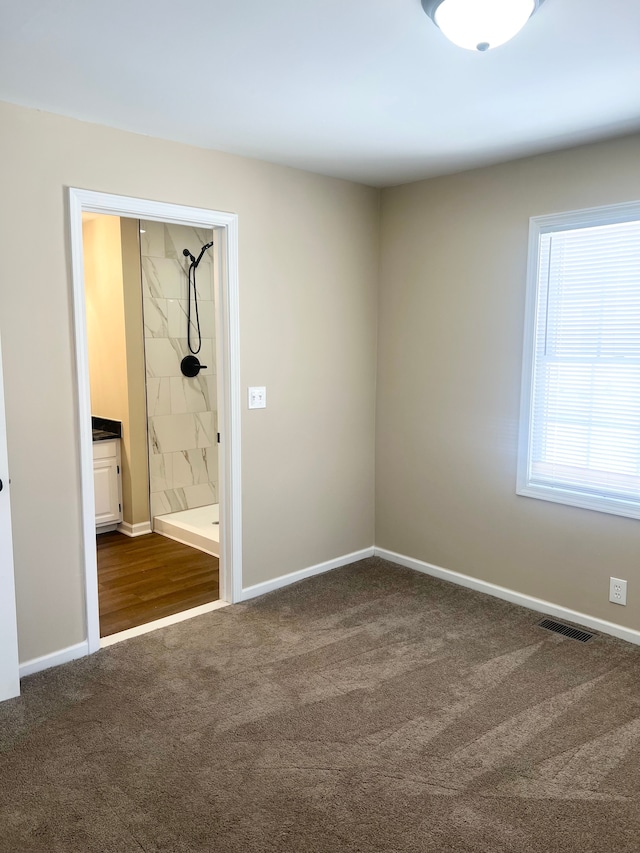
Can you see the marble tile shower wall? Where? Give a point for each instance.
(182, 412)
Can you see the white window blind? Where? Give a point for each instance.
(582, 371)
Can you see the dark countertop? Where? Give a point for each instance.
(103, 435)
(105, 429)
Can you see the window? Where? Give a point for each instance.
(580, 420)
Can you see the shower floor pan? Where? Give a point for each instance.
(196, 527)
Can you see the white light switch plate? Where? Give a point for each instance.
(258, 397)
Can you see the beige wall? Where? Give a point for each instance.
(135, 480)
(116, 347)
(308, 277)
(453, 277)
(449, 359)
(105, 317)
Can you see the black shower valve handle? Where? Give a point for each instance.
(190, 366)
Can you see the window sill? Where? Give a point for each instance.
(557, 494)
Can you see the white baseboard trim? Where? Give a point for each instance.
(112, 639)
(80, 650)
(140, 529)
(528, 601)
(293, 577)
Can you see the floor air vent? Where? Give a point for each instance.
(566, 630)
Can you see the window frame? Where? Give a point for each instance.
(538, 226)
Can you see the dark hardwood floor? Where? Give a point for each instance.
(147, 577)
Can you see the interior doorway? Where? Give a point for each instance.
(202, 476)
(150, 310)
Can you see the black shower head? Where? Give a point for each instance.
(196, 261)
(202, 251)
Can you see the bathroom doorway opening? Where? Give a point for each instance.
(161, 481)
(150, 311)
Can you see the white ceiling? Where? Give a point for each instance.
(363, 89)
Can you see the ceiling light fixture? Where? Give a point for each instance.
(480, 24)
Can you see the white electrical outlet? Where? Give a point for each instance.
(258, 397)
(617, 591)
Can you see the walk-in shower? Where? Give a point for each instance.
(179, 318)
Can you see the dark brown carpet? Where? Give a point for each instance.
(368, 709)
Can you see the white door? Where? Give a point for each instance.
(9, 679)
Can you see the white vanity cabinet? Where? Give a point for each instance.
(107, 482)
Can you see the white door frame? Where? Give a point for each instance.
(9, 669)
(228, 353)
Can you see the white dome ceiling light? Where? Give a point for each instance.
(480, 24)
